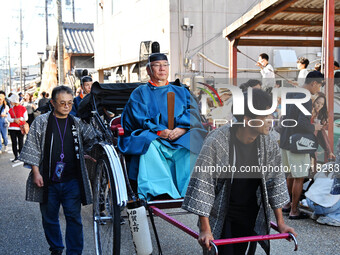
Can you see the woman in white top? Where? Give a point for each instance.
(3, 122)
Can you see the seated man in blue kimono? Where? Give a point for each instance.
(161, 158)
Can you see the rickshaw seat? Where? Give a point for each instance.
(116, 127)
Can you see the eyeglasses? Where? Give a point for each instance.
(63, 103)
(160, 65)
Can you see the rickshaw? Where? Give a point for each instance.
(109, 175)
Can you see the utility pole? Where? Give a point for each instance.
(9, 67)
(21, 47)
(73, 13)
(46, 20)
(60, 46)
(24, 83)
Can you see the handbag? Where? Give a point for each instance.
(24, 128)
(303, 143)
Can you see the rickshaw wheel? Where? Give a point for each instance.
(106, 212)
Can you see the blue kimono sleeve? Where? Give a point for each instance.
(139, 128)
(136, 116)
(190, 117)
(75, 105)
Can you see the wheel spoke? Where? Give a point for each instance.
(105, 212)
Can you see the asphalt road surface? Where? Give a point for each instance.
(21, 230)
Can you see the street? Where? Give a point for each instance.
(22, 233)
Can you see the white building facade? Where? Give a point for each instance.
(188, 31)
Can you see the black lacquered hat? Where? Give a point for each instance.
(157, 56)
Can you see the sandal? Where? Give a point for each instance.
(301, 216)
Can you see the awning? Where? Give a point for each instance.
(301, 23)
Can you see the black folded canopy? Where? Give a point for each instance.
(111, 96)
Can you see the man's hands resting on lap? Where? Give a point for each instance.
(172, 134)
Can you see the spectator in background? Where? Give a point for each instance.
(295, 161)
(302, 64)
(86, 84)
(34, 99)
(43, 101)
(78, 92)
(30, 107)
(85, 72)
(336, 66)
(335, 190)
(317, 67)
(252, 83)
(337, 81)
(20, 96)
(6, 99)
(3, 122)
(16, 117)
(320, 115)
(267, 71)
(326, 206)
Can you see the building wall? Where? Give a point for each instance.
(122, 24)
(209, 19)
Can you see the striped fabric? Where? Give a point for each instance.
(207, 193)
(33, 152)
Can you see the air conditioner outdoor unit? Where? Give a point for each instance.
(285, 58)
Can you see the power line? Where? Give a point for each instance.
(198, 48)
(251, 6)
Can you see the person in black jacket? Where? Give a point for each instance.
(86, 85)
(42, 102)
(299, 164)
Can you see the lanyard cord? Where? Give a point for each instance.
(61, 138)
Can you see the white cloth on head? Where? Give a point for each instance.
(14, 98)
